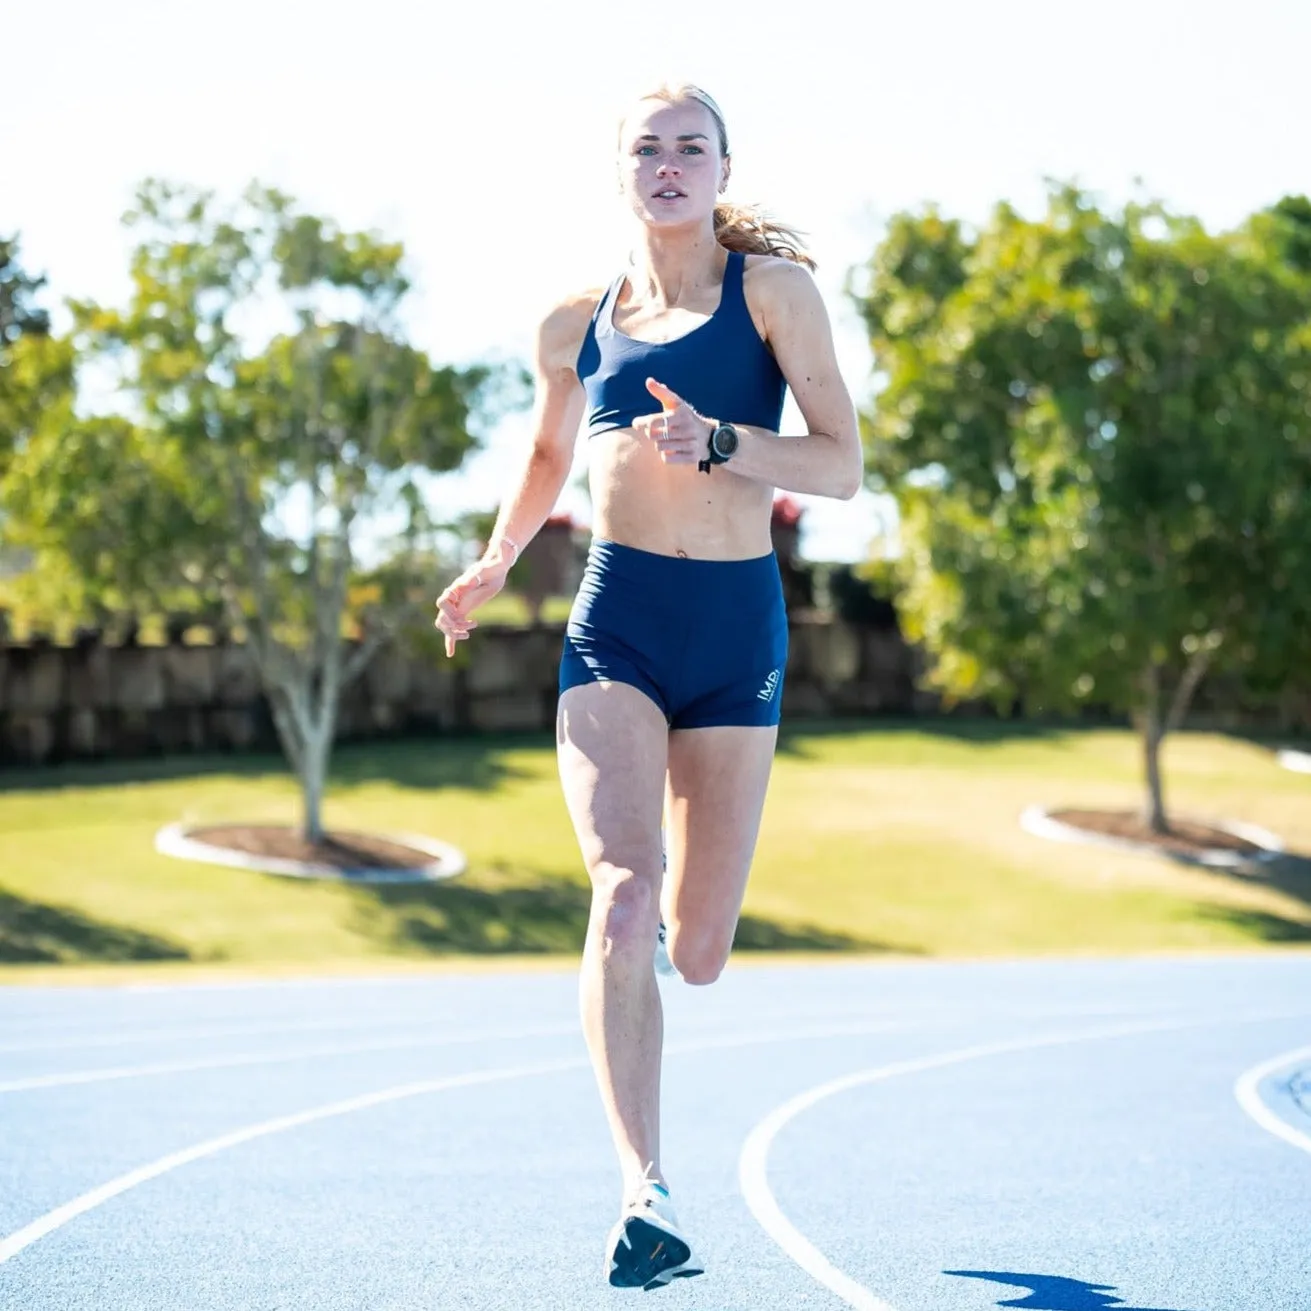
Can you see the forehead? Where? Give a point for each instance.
(657, 118)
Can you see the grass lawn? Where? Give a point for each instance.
(880, 837)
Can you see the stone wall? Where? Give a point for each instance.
(95, 701)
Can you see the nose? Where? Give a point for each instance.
(668, 166)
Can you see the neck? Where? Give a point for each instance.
(670, 262)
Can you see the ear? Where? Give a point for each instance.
(724, 174)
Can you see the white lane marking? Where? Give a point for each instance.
(213, 1031)
(245, 1059)
(293, 1026)
(1249, 1098)
(753, 1163)
(241, 1061)
(927, 1011)
(88, 1201)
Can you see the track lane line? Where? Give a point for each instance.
(753, 1162)
(1249, 1098)
(56, 1219)
(246, 1059)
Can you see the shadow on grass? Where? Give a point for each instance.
(982, 731)
(431, 762)
(32, 933)
(1289, 874)
(548, 916)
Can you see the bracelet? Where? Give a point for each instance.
(503, 542)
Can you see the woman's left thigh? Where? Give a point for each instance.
(718, 778)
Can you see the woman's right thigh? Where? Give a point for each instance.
(613, 743)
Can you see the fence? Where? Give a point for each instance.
(97, 701)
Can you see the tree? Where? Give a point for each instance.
(1096, 426)
(254, 474)
(35, 366)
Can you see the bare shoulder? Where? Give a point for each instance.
(561, 332)
(776, 280)
(784, 299)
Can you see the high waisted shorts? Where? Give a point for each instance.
(706, 640)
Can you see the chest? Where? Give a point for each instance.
(660, 324)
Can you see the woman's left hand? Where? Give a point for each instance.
(680, 434)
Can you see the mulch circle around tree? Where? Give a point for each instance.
(1227, 846)
(279, 849)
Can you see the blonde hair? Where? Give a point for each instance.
(748, 229)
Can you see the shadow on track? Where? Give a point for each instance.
(1056, 1292)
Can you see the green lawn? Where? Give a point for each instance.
(880, 839)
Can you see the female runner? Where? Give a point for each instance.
(672, 670)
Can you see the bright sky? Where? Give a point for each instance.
(483, 134)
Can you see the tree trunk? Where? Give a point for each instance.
(313, 777)
(1153, 734)
(1155, 813)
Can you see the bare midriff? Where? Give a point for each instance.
(674, 509)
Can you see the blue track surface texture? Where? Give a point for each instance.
(1055, 1135)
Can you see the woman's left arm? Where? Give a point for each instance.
(828, 461)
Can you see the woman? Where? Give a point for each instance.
(671, 676)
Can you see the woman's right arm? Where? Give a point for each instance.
(540, 476)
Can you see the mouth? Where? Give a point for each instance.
(669, 193)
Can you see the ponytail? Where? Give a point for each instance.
(748, 230)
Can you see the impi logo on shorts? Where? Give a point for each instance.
(766, 693)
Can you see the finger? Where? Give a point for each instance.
(670, 400)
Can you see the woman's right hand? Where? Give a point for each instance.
(475, 586)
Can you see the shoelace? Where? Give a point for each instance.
(649, 1181)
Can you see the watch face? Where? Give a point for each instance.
(724, 441)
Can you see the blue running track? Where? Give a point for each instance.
(1054, 1135)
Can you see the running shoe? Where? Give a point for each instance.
(647, 1249)
(663, 964)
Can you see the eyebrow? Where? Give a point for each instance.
(686, 136)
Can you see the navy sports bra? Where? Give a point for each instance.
(721, 368)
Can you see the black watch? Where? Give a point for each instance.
(722, 446)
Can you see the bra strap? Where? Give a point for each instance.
(601, 319)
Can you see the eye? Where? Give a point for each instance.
(645, 150)
(693, 150)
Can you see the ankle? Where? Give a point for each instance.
(649, 1178)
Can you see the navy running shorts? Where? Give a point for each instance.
(706, 640)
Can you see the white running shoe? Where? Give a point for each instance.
(663, 964)
(646, 1248)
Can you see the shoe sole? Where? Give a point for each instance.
(648, 1257)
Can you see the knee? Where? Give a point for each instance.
(625, 908)
(699, 957)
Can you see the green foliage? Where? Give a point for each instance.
(1098, 430)
(272, 424)
(35, 367)
(247, 463)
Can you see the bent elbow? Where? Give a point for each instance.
(849, 483)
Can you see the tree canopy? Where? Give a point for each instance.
(1098, 429)
(35, 367)
(271, 428)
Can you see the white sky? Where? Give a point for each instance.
(483, 134)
